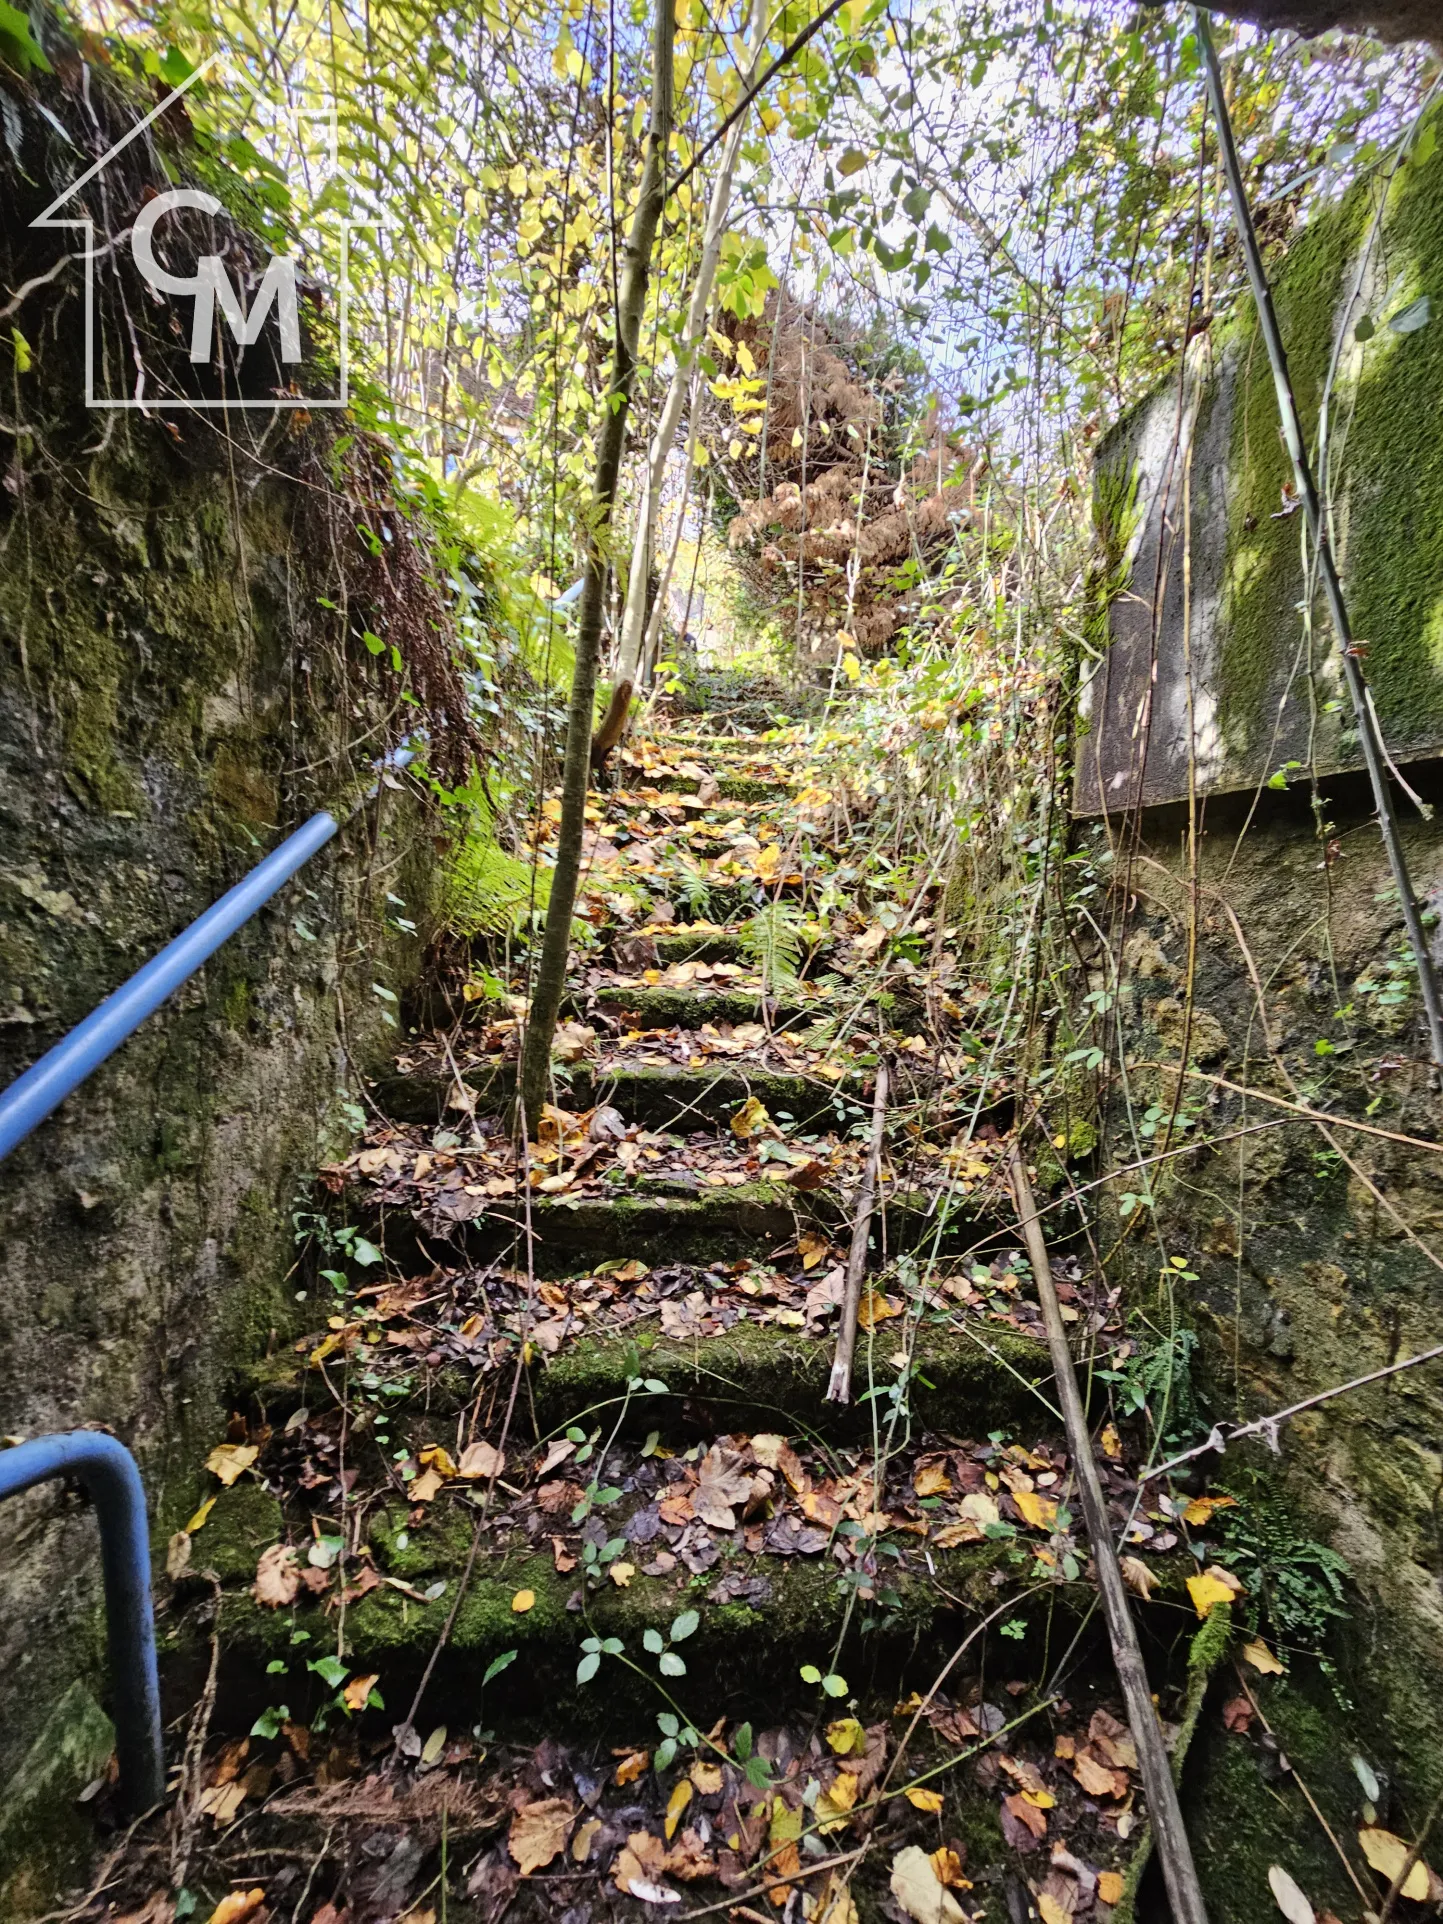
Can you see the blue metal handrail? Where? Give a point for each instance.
(105, 1467)
(30, 1098)
(107, 1471)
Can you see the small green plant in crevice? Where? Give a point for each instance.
(1155, 1377)
(1299, 1583)
(772, 939)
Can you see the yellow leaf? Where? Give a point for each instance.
(632, 1765)
(1111, 1447)
(197, 1522)
(237, 1905)
(874, 1308)
(425, 1487)
(1261, 1658)
(931, 1480)
(744, 358)
(584, 1839)
(675, 1805)
(228, 1460)
(920, 1799)
(948, 1866)
(435, 1458)
(1050, 1911)
(1200, 1510)
(1038, 1511)
(835, 1806)
(706, 1778)
(523, 1601)
(1387, 1855)
(847, 1737)
(1109, 1886)
(621, 1574)
(358, 1689)
(750, 1119)
(1206, 1591)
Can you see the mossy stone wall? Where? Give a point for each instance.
(1304, 1278)
(1196, 479)
(172, 703)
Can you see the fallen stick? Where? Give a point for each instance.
(839, 1385)
(1169, 1833)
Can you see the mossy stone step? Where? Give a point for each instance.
(743, 1661)
(654, 1006)
(752, 1376)
(659, 1096)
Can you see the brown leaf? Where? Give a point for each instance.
(1095, 1777)
(539, 1831)
(721, 1483)
(688, 1860)
(227, 1461)
(480, 1460)
(1138, 1578)
(278, 1577)
(1027, 1812)
(1237, 1714)
(1113, 1738)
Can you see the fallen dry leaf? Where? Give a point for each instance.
(1237, 1714)
(426, 1487)
(236, 1905)
(750, 1120)
(1262, 1659)
(278, 1576)
(359, 1689)
(1025, 1810)
(922, 1799)
(1050, 1910)
(229, 1460)
(721, 1483)
(538, 1832)
(481, 1460)
(1387, 1854)
(706, 1778)
(1096, 1778)
(1039, 1512)
(584, 1839)
(680, 1797)
(621, 1573)
(920, 1892)
(948, 1866)
(1207, 1591)
(221, 1802)
(1290, 1899)
(632, 1765)
(522, 1601)
(1109, 1886)
(1138, 1578)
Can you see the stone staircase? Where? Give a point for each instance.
(562, 1412)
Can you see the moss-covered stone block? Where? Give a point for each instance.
(43, 1830)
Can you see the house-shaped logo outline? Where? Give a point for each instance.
(86, 227)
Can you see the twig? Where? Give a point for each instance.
(1350, 654)
(1173, 1849)
(788, 53)
(1307, 1794)
(187, 1803)
(1268, 1425)
(1294, 1108)
(839, 1386)
(1405, 1869)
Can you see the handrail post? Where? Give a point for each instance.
(107, 1471)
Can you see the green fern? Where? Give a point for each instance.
(772, 939)
(485, 891)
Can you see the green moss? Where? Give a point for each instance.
(1394, 540)
(42, 1830)
(1260, 625)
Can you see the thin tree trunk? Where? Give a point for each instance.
(635, 630)
(610, 443)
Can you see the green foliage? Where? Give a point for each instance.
(1296, 1581)
(485, 890)
(772, 939)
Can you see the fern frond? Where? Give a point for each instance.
(486, 891)
(772, 939)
